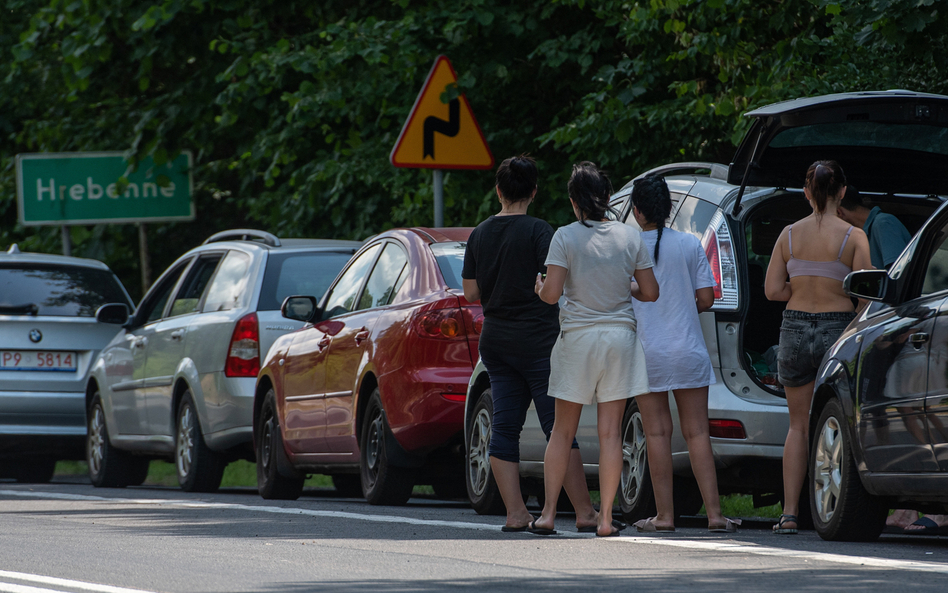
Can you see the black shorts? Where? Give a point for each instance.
(804, 339)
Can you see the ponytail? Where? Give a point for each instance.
(824, 179)
(650, 195)
(590, 189)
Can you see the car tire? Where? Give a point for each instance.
(841, 507)
(271, 484)
(687, 497)
(108, 467)
(35, 471)
(348, 485)
(199, 468)
(382, 484)
(481, 488)
(635, 486)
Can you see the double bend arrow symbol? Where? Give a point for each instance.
(449, 128)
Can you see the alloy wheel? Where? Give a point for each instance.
(478, 455)
(96, 436)
(827, 470)
(634, 459)
(374, 445)
(185, 442)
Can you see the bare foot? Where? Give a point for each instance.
(518, 522)
(901, 518)
(924, 524)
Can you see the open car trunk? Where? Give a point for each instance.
(763, 221)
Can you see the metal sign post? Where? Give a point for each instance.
(438, 198)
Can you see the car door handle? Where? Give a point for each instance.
(177, 335)
(324, 342)
(362, 334)
(917, 339)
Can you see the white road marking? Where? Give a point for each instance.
(55, 582)
(729, 546)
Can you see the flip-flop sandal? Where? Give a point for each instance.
(616, 524)
(508, 529)
(729, 526)
(779, 528)
(928, 527)
(532, 528)
(646, 526)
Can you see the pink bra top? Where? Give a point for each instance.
(836, 270)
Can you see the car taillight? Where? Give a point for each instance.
(243, 354)
(727, 429)
(720, 251)
(478, 323)
(441, 323)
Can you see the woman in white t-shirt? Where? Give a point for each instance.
(676, 357)
(597, 357)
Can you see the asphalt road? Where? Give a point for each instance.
(73, 537)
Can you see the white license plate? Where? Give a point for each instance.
(37, 360)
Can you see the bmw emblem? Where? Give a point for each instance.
(35, 336)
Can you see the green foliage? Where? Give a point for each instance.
(291, 108)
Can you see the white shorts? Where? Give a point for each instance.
(598, 363)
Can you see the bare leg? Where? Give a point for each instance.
(795, 448)
(578, 491)
(610, 460)
(657, 422)
(507, 476)
(556, 460)
(693, 417)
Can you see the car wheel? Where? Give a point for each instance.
(348, 485)
(841, 507)
(108, 467)
(271, 484)
(381, 482)
(199, 468)
(687, 497)
(479, 480)
(635, 487)
(35, 471)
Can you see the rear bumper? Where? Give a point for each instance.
(42, 413)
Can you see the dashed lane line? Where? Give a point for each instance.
(728, 546)
(55, 582)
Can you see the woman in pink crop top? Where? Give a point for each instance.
(807, 268)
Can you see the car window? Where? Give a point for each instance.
(345, 292)
(675, 199)
(153, 305)
(450, 258)
(58, 290)
(936, 273)
(385, 278)
(693, 216)
(874, 134)
(189, 295)
(229, 287)
(299, 273)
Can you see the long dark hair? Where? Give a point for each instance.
(824, 179)
(650, 195)
(517, 178)
(590, 189)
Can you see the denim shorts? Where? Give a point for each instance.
(804, 339)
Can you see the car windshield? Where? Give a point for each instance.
(299, 273)
(450, 258)
(58, 290)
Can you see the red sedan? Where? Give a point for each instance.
(372, 389)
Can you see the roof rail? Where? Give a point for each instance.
(718, 171)
(244, 235)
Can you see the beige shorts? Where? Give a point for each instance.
(598, 363)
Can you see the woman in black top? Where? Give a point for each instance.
(504, 255)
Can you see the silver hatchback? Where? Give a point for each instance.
(49, 338)
(178, 382)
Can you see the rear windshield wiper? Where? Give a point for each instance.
(27, 309)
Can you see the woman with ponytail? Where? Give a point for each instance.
(597, 356)
(676, 357)
(816, 253)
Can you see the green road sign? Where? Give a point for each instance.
(100, 187)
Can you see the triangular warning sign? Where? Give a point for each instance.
(441, 135)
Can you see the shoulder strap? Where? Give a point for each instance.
(843, 246)
(790, 238)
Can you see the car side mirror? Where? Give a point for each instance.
(300, 308)
(114, 313)
(867, 284)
